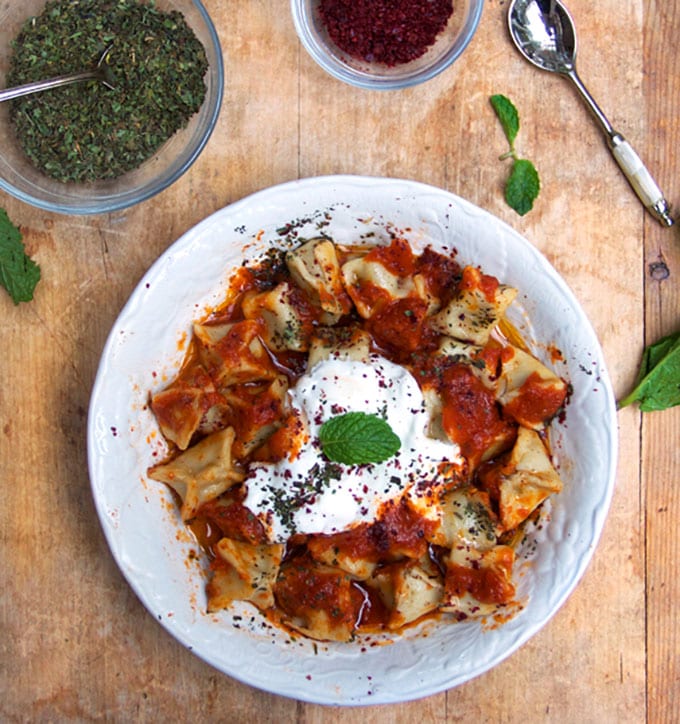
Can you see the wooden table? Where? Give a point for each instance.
(76, 644)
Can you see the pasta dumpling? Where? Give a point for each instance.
(315, 267)
(282, 311)
(233, 352)
(524, 480)
(409, 589)
(476, 310)
(200, 473)
(478, 583)
(530, 392)
(244, 572)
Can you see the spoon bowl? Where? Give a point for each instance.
(545, 35)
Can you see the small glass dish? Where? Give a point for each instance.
(20, 178)
(448, 46)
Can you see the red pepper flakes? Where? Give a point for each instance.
(385, 31)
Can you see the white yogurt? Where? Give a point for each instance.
(306, 493)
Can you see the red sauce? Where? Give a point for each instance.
(397, 258)
(441, 272)
(370, 296)
(486, 584)
(256, 406)
(228, 517)
(470, 414)
(385, 31)
(400, 531)
(537, 402)
(373, 614)
(304, 587)
(474, 279)
(400, 327)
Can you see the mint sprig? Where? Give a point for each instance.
(523, 184)
(19, 274)
(356, 438)
(658, 383)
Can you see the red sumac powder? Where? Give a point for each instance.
(385, 31)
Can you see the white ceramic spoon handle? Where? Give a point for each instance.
(640, 179)
(630, 163)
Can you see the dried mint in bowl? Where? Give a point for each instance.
(87, 132)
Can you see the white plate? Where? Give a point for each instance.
(140, 520)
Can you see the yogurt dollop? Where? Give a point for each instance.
(307, 493)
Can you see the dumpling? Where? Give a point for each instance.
(201, 473)
(477, 308)
(530, 392)
(234, 353)
(244, 572)
(315, 268)
(317, 599)
(409, 590)
(347, 343)
(478, 583)
(286, 326)
(524, 480)
(466, 518)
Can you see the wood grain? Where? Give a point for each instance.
(75, 643)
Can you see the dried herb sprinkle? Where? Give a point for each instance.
(86, 132)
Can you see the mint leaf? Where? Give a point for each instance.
(507, 115)
(19, 274)
(658, 383)
(356, 438)
(522, 187)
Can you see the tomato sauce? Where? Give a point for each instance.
(470, 414)
(537, 402)
(400, 327)
(398, 257)
(303, 588)
(474, 279)
(227, 517)
(486, 584)
(399, 531)
(442, 274)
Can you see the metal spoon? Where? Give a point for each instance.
(101, 72)
(544, 33)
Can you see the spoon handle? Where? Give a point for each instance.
(630, 163)
(41, 85)
(640, 179)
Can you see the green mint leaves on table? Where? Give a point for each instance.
(658, 382)
(523, 184)
(356, 438)
(19, 274)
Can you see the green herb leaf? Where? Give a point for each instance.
(658, 383)
(522, 186)
(19, 274)
(357, 437)
(507, 115)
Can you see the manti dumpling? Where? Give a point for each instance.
(200, 473)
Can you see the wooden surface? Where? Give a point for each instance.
(75, 643)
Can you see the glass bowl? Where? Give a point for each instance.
(449, 45)
(20, 178)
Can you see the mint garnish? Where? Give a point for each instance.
(18, 272)
(356, 438)
(658, 384)
(523, 184)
